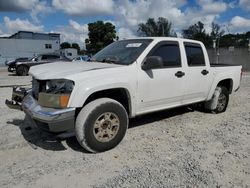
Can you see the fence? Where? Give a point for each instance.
(238, 56)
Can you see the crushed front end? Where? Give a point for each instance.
(46, 103)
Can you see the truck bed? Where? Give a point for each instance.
(222, 65)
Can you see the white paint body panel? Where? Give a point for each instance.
(148, 91)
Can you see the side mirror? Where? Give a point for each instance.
(152, 62)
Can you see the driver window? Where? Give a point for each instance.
(38, 58)
(170, 54)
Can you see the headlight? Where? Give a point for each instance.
(57, 93)
(59, 86)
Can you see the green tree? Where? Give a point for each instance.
(236, 40)
(65, 45)
(216, 32)
(100, 35)
(197, 32)
(248, 34)
(194, 30)
(152, 28)
(76, 46)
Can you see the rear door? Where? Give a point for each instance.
(163, 87)
(197, 73)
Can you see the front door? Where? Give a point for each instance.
(163, 87)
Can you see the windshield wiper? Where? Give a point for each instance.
(108, 60)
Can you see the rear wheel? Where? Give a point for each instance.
(101, 125)
(22, 70)
(222, 101)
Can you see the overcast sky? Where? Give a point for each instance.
(70, 17)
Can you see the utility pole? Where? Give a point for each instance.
(162, 29)
(218, 50)
(249, 44)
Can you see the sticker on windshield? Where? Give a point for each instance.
(133, 45)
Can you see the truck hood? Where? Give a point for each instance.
(63, 69)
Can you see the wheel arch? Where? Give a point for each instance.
(225, 82)
(119, 94)
(21, 64)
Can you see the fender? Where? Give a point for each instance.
(83, 91)
(220, 77)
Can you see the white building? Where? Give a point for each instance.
(27, 44)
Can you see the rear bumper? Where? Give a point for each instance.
(50, 119)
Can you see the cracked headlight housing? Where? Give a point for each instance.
(56, 93)
(59, 86)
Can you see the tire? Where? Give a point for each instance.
(94, 129)
(22, 70)
(222, 101)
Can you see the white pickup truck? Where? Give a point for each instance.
(126, 79)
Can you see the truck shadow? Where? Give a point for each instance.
(37, 138)
(12, 74)
(157, 116)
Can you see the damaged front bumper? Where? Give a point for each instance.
(50, 119)
(18, 95)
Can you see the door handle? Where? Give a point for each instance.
(179, 74)
(204, 72)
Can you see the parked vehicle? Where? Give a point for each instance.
(126, 79)
(21, 67)
(83, 58)
(12, 64)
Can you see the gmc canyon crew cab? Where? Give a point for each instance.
(126, 79)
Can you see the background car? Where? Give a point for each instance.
(22, 67)
(12, 64)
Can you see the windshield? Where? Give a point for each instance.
(122, 52)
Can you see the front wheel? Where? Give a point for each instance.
(22, 70)
(101, 125)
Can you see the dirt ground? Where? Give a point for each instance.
(173, 148)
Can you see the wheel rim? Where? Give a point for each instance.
(106, 127)
(221, 102)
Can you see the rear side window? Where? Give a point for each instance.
(50, 57)
(170, 54)
(194, 53)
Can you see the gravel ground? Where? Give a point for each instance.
(174, 148)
